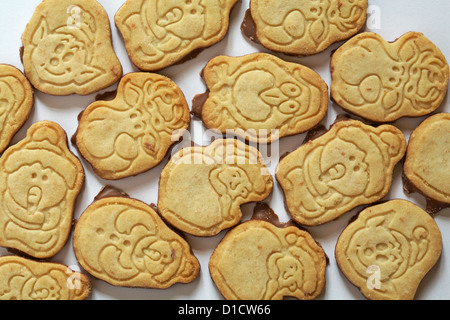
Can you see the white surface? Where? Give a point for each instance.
(395, 18)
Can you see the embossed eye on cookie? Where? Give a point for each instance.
(40, 180)
(382, 81)
(67, 48)
(388, 250)
(260, 97)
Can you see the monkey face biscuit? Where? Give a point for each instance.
(350, 165)
(40, 180)
(133, 133)
(201, 189)
(383, 82)
(159, 33)
(261, 97)
(389, 249)
(67, 48)
(124, 242)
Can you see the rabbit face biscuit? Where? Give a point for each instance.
(389, 249)
(24, 279)
(159, 33)
(133, 133)
(201, 189)
(383, 82)
(40, 180)
(67, 48)
(262, 97)
(124, 242)
(350, 165)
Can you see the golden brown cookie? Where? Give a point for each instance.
(40, 180)
(67, 48)
(388, 250)
(382, 81)
(124, 242)
(133, 133)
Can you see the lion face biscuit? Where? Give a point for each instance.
(350, 165)
(262, 97)
(383, 81)
(67, 48)
(133, 133)
(201, 189)
(159, 33)
(389, 249)
(40, 180)
(124, 242)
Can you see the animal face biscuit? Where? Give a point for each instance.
(383, 81)
(388, 250)
(40, 180)
(133, 133)
(348, 166)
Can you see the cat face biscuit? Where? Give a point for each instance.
(132, 133)
(388, 250)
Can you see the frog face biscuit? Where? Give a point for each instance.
(383, 81)
(133, 133)
(348, 166)
(388, 250)
(201, 189)
(159, 33)
(40, 180)
(68, 49)
(262, 97)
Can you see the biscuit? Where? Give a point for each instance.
(40, 180)
(388, 249)
(160, 33)
(262, 260)
(124, 242)
(132, 133)
(201, 189)
(67, 48)
(24, 279)
(382, 82)
(349, 165)
(16, 103)
(303, 28)
(261, 97)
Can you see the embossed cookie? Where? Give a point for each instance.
(40, 180)
(303, 27)
(67, 48)
(382, 81)
(132, 133)
(24, 279)
(388, 250)
(262, 259)
(160, 33)
(349, 165)
(201, 189)
(261, 97)
(124, 242)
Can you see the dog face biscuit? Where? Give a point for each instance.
(383, 82)
(133, 133)
(389, 249)
(350, 165)
(67, 48)
(40, 180)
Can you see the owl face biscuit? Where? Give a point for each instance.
(133, 133)
(159, 33)
(201, 189)
(389, 249)
(40, 180)
(383, 82)
(350, 165)
(67, 48)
